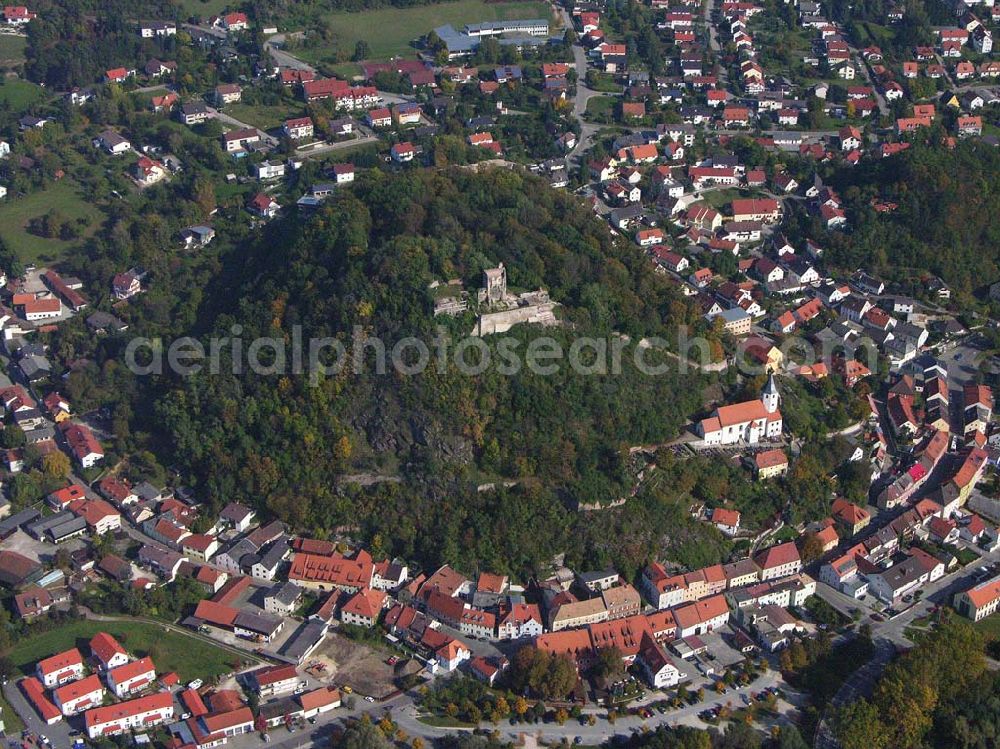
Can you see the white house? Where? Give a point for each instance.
(132, 677)
(658, 668)
(267, 170)
(112, 142)
(143, 712)
(77, 696)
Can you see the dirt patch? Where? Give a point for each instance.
(355, 664)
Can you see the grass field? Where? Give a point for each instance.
(990, 626)
(598, 106)
(11, 720)
(264, 117)
(206, 8)
(15, 212)
(190, 657)
(20, 94)
(12, 49)
(390, 31)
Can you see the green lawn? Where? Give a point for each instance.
(206, 8)
(390, 31)
(15, 212)
(264, 117)
(12, 721)
(345, 70)
(990, 626)
(719, 199)
(603, 82)
(19, 94)
(12, 49)
(189, 656)
(598, 106)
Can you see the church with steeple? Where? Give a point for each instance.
(748, 423)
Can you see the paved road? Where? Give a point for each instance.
(270, 140)
(405, 713)
(282, 58)
(583, 93)
(713, 36)
(883, 106)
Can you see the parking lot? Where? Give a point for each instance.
(40, 551)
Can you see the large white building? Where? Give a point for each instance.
(748, 422)
(143, 712)
(659, 668)
(980, 601)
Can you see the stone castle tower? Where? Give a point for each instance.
(494, 285)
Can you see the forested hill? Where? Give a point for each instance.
(367, 260)
(946, 222)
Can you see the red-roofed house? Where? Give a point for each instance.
(82, 444)
(101, 517)
(107, 651)
(142, 713)
(727, 521)
(132, 677)
(77, 696)
(319, 701)
(272, 680)
(193, 702)
(849, 516)
(232, 22)
(230, 723)
(700, 617)
(979, 601)
(60, 668)
(765, 210)
(778, 561)
(769, 464)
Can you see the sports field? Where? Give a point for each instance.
(392, 31)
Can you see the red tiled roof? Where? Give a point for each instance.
(132, 670)
(60, 661)
(273, 675)
(334, 569)
(193, 702)
(33, 689)
(77, 689)
(318, 698)
(222, 721)
(216, 613)
(722, 516)
(777, 556)
(105, 647)
(701, 611)
(770, 459)
(101, 715)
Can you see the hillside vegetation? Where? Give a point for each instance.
(366, 262)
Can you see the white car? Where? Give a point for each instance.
(196, 684)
